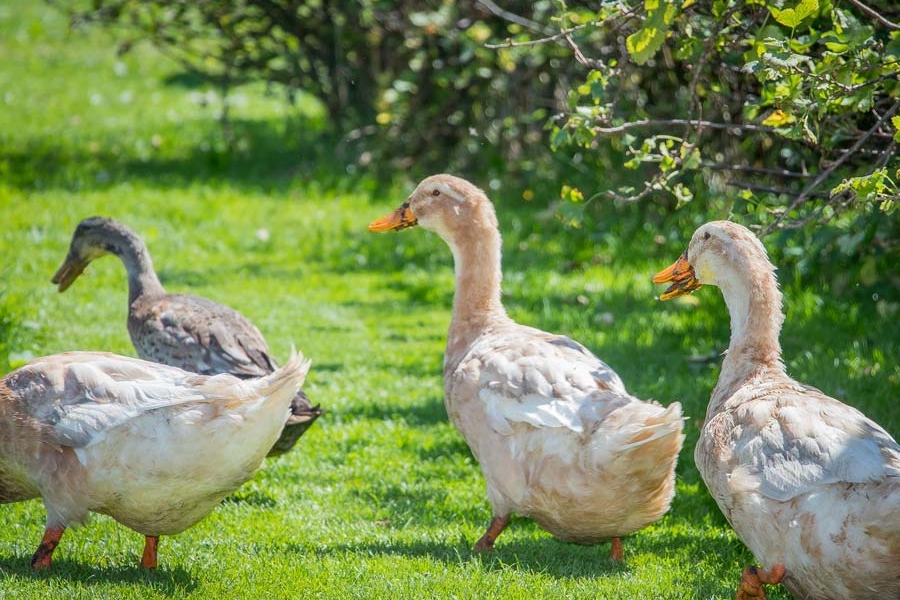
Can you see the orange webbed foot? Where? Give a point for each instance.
(148, 560)
(615, 550)
(43, 556)
(486, 543)
(753, 579)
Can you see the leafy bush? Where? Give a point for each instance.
(786, 113)
(407, 82)
(783, 114)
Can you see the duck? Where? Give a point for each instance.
(558, 438)
(809, 484)
(136, 440)
(180, 330)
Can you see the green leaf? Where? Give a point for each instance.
(867, 188)
(571, 214)
(571, 194)
(791, 17)
(559, 138)
(895, 121)
(643, 43)
(690, 156)
(683, 194)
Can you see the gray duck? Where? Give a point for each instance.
(180, 330)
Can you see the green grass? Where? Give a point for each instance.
(382, 498)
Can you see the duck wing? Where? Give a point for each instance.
(788, 439)
(199, 335)
(544, 380)
(76, 397)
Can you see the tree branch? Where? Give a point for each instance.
(825, 173)
(708, 47)
(875, 15)
(753, 187)
(583, 60)
(740, 128)
(758, 170)
(512, 17)
(544, 40)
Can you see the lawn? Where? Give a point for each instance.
(382, 498)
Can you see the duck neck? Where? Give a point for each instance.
(142, 279)
(754, 303)
(476, 302)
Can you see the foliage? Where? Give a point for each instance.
(783, 114)
(787, 112)
(406, 83)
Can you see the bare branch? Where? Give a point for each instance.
(758, 170)
(513, 18)
(708, 47)
(655, 184)
(836, 203)
(860, 86)
(580, 57)
(648, 189)
(737, 128)
(753, 187)
(886, 155)
(544, 40)
(825, 173)
(875, 15)
(511, 44)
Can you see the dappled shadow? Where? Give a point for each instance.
(267, 155)
(189, 80)
(431, 412)
(545, 555)
(179, 278)
(250, 497)
(174, 582)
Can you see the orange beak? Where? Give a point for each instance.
(71, 268)
(682, 277)
(397, 220)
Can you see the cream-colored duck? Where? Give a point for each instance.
(809, 484)
(180, 330)
(558, 437)
(138, 441)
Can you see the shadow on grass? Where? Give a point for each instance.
(566, 561)
(181, 280)
(249, 497)
(174, 582)
(267, 154)
(420, 414)
(547, 556)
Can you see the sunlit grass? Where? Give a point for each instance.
(382, 497)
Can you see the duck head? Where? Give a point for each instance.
(94, 237)
(718, 252)
(445, 204)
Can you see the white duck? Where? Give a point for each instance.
(180, 330)
(152, 446)
(558, 437)
(809, 484)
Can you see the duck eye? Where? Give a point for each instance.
(706, 236)
(435, 192)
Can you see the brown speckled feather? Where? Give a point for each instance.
(197, 334)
